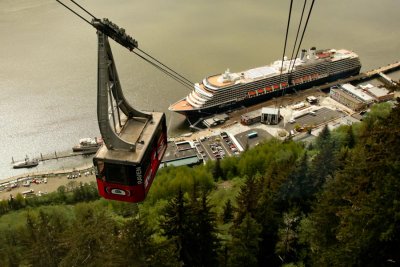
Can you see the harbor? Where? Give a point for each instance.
(300, 120)
(231, 137)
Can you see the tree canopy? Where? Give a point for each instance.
(334, 203)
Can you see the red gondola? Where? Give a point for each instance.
(127, 176)
(134, 141)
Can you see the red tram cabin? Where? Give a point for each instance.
(127, 175)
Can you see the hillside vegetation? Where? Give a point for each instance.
(335, 202)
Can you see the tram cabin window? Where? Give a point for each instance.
(117, 173)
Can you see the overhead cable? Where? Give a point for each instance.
(286, 37)
(304, 30)
(131, 44)
(297, 35)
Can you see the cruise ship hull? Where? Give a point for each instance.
(231, 105)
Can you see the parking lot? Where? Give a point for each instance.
(245, 141)
(313, 119)
(217, 147)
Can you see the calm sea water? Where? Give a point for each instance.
(48, 57)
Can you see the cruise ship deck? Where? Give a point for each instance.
(181, 105)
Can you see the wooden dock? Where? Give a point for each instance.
(385, 69)
(59, 155)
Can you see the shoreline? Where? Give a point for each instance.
(46, 181)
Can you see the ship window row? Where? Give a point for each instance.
(225, 97)
(342, 67)
(241, 91)
(343, 63)
(302, 74)
(354, 62)
(255, 85)
(311, 70)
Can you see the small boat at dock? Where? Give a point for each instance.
(27, 163)
(88, 145)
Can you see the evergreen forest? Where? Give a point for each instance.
(332, 202)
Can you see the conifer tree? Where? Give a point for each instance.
(11, 248)
(137, 244)
(175, 226)
(91, 239)
(355, 221)
(287, 245)
(217, 171)
(44, 239)
(269, 217)
(206, 233)
(244, 247)
(227, 214)
(298, 190)
(350, 139)
(323, 165)
(324, 137)
(248, 197)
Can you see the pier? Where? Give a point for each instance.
(385, 69)
(364, 76)
(386, 79)
(60, 155)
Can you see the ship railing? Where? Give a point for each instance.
(206, 83)
(196, 96)
(193, 103)
(198, 89)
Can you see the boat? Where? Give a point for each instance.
(227, 91)
(88, 145)
(27, 163)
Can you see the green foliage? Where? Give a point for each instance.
(11, 246)
(248, 198)
(336, 203)
(175, 226)
(70, 194)
(229, 167)
(299, 188)
(191, 226)
(226, 190)
(91, 239)
(377, 113)
(227, 215)
(287, 245)
(324, 138)
(244, 247)
(169, 180)
(43, 238)
(355, 221)
(138, 246)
